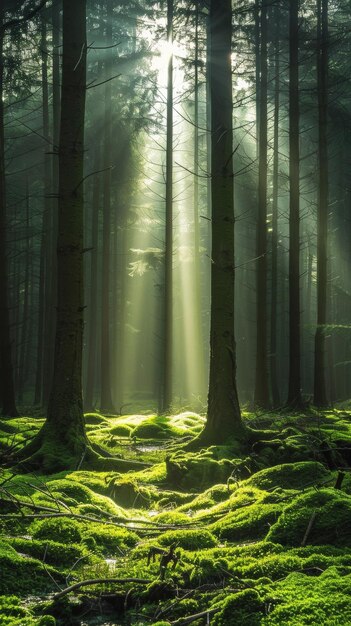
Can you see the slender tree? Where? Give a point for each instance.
(261, 380)
(7, 387)
(320, 391)
(273, 358)
(106, 403)
(294, 391)
(167, 373)
(223, 415)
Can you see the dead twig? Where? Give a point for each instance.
(100, 581)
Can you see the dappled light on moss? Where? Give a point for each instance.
(236, 526)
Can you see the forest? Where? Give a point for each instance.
(175, 313)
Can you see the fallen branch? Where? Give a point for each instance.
(100, 581)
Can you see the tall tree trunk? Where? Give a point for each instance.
(106, 403)
(44, 347)
(22, 373)
(223, 415)
(198, 328)
(261, 381)
(294, 391)
(168, 274)
(93, 286)
(62, 440)
(52, 177)
(320, 392)
(274, 239)
(7, 392)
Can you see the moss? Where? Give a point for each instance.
(305, 600)
(200, 469)
(52, 552)
(121, 430)
(290, 476)
(110, 540)
(240, 608)
(189, 539)
(127, 493)
(61, 529)
(94, 418)
(247, 523)
(331, 524)
(23, 576)
(209, 570)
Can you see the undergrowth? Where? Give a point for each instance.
(263, 539)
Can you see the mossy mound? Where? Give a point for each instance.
(121, 430)
(110, 540)
(189, 539)
(188, 470)
(290, 476)
(331, 511)
(250, 522)
(22, 575)
(53, 552)
(304, 600)
(61, 529)
(95, 419)
(240, 608)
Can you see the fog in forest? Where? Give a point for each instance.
(148, 119)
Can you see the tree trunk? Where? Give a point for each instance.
(62, 440)
(200, 385)
(7, 393)
(223, 415)
(320, 392)
(274, 239)
(168, 275)
(106, 403)
(294, 392)
(261, 382)
(23, 373)
(93, 290)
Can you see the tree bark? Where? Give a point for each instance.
(106, 403)
(274, 279)
(62, 440)
(320, 391)
(167, 392)
(7, 392)
(294, 391)
(261, 380)
(223, 414)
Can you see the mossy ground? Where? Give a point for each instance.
(238, 525)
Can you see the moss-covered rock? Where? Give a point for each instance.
(53, 552)
(247, 523)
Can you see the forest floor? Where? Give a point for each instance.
(201, 538)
